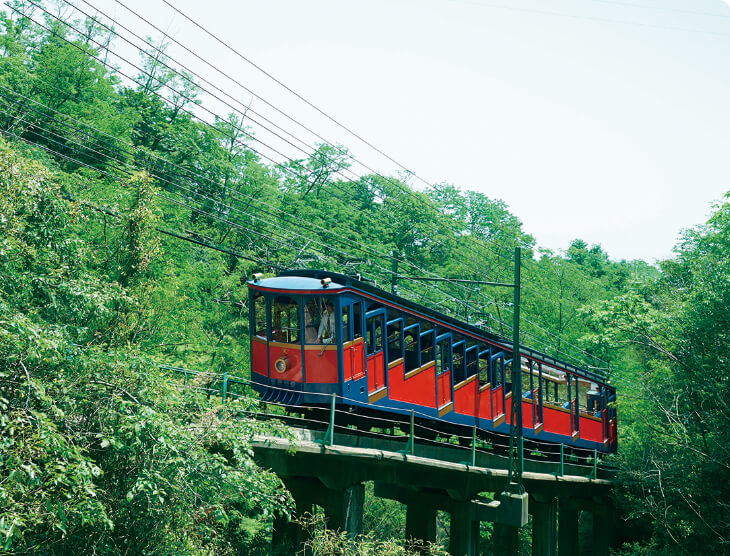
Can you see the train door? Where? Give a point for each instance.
(573, 398)
(375, 351)
(499, 396)
(443, 374)
(353, 343)
(537, 413)
(353, 351)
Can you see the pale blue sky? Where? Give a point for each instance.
(602, 120)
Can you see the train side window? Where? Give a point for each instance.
(312, 318)
(395, 340)
(374, 331)
(471, 359)
(485, 356)
(527, 382)
(498, 371)
(346, 335)
(369, 336)
(443, 356)
(412, 350)
(357, 320)
(259, 315)
(427, 347)
(561, 393)
(285, 320)
(459, 362)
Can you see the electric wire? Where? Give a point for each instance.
(662, 8)
(215, 68)
(247, 60)
(176, 201)
(589, 18)
(130, 174)
(160, 229)
(132, 79)
(182, 75)
(137, 67)
(384, 269)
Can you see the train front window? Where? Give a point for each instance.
(259, 315)
(374, 329)
(319, 321)
(285, 320)
(346, 336)
(357, 320)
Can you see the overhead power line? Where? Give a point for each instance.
(384, 269)
(589, 18)
(662, 8)
(297, 95)
(190, 113)
(166, 231)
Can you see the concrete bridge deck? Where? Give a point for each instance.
(437, 476)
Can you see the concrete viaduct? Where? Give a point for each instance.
(434, 477)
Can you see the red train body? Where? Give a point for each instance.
(316, 333)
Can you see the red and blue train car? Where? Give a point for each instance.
(315, 333)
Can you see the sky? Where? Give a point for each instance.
(605, 120)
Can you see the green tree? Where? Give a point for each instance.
(676, 448)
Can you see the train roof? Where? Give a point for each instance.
(309, 281)
(296, 282)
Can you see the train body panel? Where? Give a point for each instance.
(316, 333)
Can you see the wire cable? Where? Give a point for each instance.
(385, 269)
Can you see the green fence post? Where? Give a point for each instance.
(330, 434)
(224, 388)
(562, 460)
(412, 438)
(595, 463)
(474, 446)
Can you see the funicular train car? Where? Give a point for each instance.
(315, 333)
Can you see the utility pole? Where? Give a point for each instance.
(516, 457)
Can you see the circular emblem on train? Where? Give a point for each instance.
(282, 364)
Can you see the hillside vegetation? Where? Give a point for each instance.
(128, 227)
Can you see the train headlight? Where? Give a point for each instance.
(282, 364)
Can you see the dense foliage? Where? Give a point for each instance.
(675, 451)
(128, 225)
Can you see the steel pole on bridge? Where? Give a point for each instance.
(517, 462)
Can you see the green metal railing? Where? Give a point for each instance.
(328, 439)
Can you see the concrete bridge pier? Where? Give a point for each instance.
(544, 520)
(420, 522)
(342, 505)
(569, 509)
(434, 479)
(464, 530)
(568, 527)
(505, 539)
(602, 529)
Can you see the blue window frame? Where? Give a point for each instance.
(395, 344)
(411, 347)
